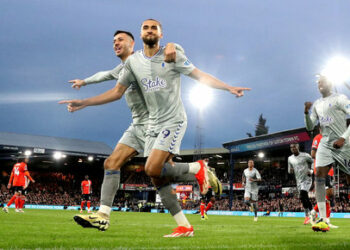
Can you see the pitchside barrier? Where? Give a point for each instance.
(212, 212)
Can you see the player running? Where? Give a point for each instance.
(133, 140)
(18, 182)
(329, 185)
(330, 111)
(86, 191)
(160, 86)
(300, 163)
(250, 179)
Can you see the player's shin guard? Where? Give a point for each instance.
(169, 199)
(174, 171)
(22, 202)
(170, 202)
(320, 187)
(17, 202)
(82, 205)
(255, 206)
(184, 178)
(13, 198)
(109, 188)
(328, 210)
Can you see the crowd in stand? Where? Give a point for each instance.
(64, 189)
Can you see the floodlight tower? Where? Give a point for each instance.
(198, 141)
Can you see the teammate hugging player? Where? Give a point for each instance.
(250, 179)
(159, 83)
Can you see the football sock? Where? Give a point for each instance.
(202, 208)
(255, 206)
(82, 205)
(109, 187)
(194, 167)
(88, 204)
(174, 171)
(328, 210)
(184, 178)
(17, 202)
(181, 220)
(247, 202)
(105, 210)
(22, 202)
(169, 199)
(321, 195)
(210, 204)
(13, 198)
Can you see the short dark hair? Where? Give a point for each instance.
(125, 32)
(160, 25)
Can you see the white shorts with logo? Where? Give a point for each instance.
(167, 138)
(251, 194)
(327, 155)
(135, 137)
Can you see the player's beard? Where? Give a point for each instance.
(151, 42)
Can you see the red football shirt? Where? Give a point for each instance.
(18, 174)
(86, 186)
(315, 144)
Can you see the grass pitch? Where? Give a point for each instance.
(57, 229)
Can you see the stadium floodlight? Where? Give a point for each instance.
(201, 96)
(337, 70)
(261, 155)
(28, 153)
(57, 155)
(90, 158)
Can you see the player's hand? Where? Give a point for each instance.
(307, 106)
(339, 143)
(77, 83)
(33, 181)
(238, 91)
(9, 186)
(170, 53)
(73, 105)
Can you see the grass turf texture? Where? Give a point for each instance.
(57, 229)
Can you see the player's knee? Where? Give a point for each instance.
(152, 170)
(112, 163)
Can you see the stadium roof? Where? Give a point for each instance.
(268, 141)
(37, 143)
(205, 151)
